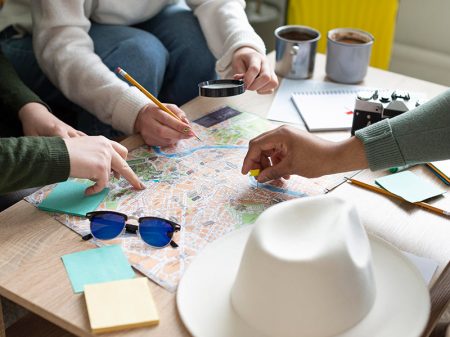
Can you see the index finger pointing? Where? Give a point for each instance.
(120, 166)
(120, 149)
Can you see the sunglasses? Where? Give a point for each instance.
(156, 232)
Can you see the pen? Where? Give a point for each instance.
(389, 194)
(131, 80)
(400, 168)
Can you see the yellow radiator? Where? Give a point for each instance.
(375, 16)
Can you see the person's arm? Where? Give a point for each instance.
(226, 29)
(19, 103)
(36, 161)
(417, 136)
(14, 94)
(32, 161)
(65, 52)
(240, 52)
(288, 150)
(37, 120)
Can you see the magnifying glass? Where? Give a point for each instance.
(221, 88)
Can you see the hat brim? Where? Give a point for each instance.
(401, 307)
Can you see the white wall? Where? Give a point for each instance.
(422, 40)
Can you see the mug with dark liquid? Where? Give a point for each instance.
(295, 48)
(348, 54)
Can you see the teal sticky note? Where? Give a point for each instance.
(409, 186)
(68, 197)
(97, 265)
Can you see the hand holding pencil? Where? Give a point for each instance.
(158, 123)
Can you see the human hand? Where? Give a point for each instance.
(255, 69)
(157, 127)
(38, 121)
(287, 150)
(94, 157)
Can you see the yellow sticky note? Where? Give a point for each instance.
(120, 305)
(255, 172)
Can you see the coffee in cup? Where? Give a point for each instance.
(348, 54)
(295, 48)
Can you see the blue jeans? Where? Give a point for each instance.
(167, 54)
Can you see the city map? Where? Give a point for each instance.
(198, 185)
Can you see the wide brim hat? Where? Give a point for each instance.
(400, 308)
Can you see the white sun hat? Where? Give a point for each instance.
(306, 268)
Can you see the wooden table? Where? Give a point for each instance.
(31, 242)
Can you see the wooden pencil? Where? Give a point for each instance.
(132, 81)
(389, 194)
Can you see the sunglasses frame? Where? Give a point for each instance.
(130, 228)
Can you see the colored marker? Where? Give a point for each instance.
(400, 168)
(255, 172)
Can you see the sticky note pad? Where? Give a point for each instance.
(254, 173)
(120, 305)
(97, 265)
(68, 197)
(409, 186)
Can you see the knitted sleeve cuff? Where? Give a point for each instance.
(59, 168)
(382, 150)
(127, 109)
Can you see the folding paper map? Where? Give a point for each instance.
(198, 185)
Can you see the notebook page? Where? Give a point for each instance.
(283, 109)
(326, 110)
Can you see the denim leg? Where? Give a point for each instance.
(138, 52)
(191, 61)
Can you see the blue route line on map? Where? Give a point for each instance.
(276, 189)
(158, 151)
(271, 188)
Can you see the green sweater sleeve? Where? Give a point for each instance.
(32, 161)
(14, 94)
(417, 136)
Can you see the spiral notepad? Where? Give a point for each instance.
(326, 110)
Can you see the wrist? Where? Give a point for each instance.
(245, 50)
(348, 155)
(31, 108)
(139, 122)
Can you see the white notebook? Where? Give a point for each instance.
(326, 110)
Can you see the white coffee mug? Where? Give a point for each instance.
(348, 54)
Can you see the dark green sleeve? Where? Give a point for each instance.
(417, 136)
(32, 161)
(14, 94)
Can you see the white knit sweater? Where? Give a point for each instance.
(65, 51)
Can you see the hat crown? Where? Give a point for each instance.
(306, 270)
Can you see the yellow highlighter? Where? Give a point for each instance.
(255, 173)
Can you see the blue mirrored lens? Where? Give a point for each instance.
(107, 226)
(156, 232)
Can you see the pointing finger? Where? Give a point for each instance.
(120, 166)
